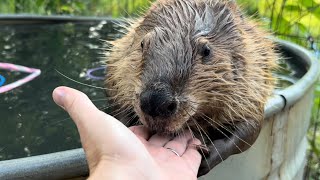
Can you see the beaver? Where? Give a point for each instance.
(199, 65)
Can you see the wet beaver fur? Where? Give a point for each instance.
(198, 65)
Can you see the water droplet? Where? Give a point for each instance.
(82, 74)
(19, 125)
(94, 34)
(27, 150)
(92, 46)
(7, 47)
(103, 22)
(7, 38)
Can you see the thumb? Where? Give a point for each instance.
(82, 111)
(101, 134)
(89, 120)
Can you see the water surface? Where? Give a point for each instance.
(30, 122)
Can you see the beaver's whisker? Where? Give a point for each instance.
(124, 113)
(197, 103)
(80, 82)
(131, 119)
(212, 120)
(198, 126)
(120, 111)
(191, 132)
(106, 107)
(109, 98)
(225, 128)
(203, 155)
(183, 132)
(237, 113)
(223, 134)
(137, 123)
(199, 129)
(202, 146)
(178, 134)
(56, 122)
(62, 120)
(104, 99)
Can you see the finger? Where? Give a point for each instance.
(179, 143)
(102, 136)
(99, 133)
(192, 155)
(159, 140)
(141, 132)
(76, 103)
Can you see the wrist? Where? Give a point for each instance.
(124, 170)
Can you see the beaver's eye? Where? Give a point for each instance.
(206, 51)
(142, 44)
(206, 54)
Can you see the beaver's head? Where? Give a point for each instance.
(183, 60)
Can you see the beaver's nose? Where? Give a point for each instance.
(157, 103)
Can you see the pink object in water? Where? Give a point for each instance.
(33, 74)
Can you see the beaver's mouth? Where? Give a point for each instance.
(166, 125)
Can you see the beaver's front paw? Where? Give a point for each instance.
(217, 153)
(244, 135)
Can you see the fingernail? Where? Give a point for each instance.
(60, 97)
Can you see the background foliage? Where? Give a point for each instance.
(74, 7)
(294, 20)
(297, 21)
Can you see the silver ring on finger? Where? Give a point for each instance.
(175, 152)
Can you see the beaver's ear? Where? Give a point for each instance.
(232, 4)
(234, 7)
(205, 22)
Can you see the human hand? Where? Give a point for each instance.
(177, 158)
(113, 151)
